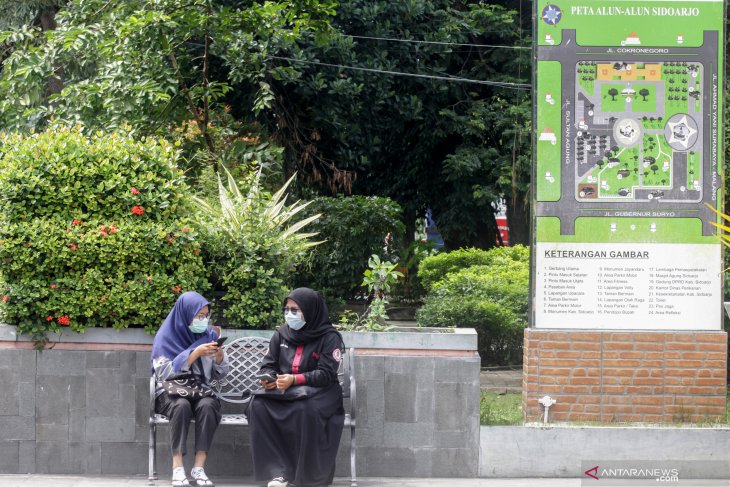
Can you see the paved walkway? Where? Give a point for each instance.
(501, 381)
(139, 481)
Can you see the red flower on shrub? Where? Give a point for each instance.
(54, 286)
(113, 229)
(104, 298)
(64, 320)
(73, 246)
(196, 251)
(184, 229)
(76, 222)
(103, 232)
(134, 190)
(6, 298)
(49, 318)
(138, 210)
(177, 289)
(170, 239)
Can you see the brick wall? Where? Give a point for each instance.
(625, 376)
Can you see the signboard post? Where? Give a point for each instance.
(627, 169)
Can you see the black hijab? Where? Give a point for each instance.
(315, 312)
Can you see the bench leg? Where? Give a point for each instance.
(353, 458)
(152, 466)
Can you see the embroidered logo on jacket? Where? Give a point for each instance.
(337, 354)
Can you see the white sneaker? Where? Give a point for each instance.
(277, 482)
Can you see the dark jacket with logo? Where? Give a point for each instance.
(314, 363)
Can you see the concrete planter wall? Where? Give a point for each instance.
(559, 451)
(82, 406)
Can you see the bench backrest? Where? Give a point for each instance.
(245, 355)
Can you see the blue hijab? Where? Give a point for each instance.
(174, 339)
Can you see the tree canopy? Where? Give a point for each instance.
(424, 101)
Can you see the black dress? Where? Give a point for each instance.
(298, 439)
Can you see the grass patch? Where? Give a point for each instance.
(506, 409)
(500, 409)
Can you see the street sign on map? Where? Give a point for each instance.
(627, 157)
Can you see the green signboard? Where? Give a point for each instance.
(627, 158)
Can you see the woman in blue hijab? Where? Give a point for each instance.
(186, 343)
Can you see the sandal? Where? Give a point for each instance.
(200, 479)
(179, 479)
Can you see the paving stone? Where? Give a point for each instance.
(102, 392)
(452, 402)
(119, 458)
(9, 456)
(127, 400)
(143, 363)
(102, 360)
(26, 398)
(400, 392)
(52, 399)
(455, 462)
(51, 432)
(10, 359)
(17, 428)
(396, 462)
(26, 456)
(109, 429)
(77, 393)
(10, 384)
(369, 367)
(406, 435)
(77, 425)
(62, 362)
(28, 362)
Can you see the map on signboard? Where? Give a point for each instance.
(627, 113)
(637, 125)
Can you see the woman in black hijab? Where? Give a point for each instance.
(294, 439)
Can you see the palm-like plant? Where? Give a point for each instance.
(257, 243)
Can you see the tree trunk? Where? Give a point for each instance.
(47, 20)
(518, 219)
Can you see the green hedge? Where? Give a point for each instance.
(353, 228)
(93, 232)
(493, 299)
(433, 269)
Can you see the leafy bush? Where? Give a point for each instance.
(352, 228)
(436, 267)
(493, 299)
(255, 245)
(93, 232)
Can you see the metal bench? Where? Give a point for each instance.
(244, 355)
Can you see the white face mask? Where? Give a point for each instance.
(294, 321)
(199, 325)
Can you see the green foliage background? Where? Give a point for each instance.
(352, 229)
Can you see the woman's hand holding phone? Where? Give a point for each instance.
(268, 380)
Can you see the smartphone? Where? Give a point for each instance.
(271, 377)
(221, 340)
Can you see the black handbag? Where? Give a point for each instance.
(188, 386)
